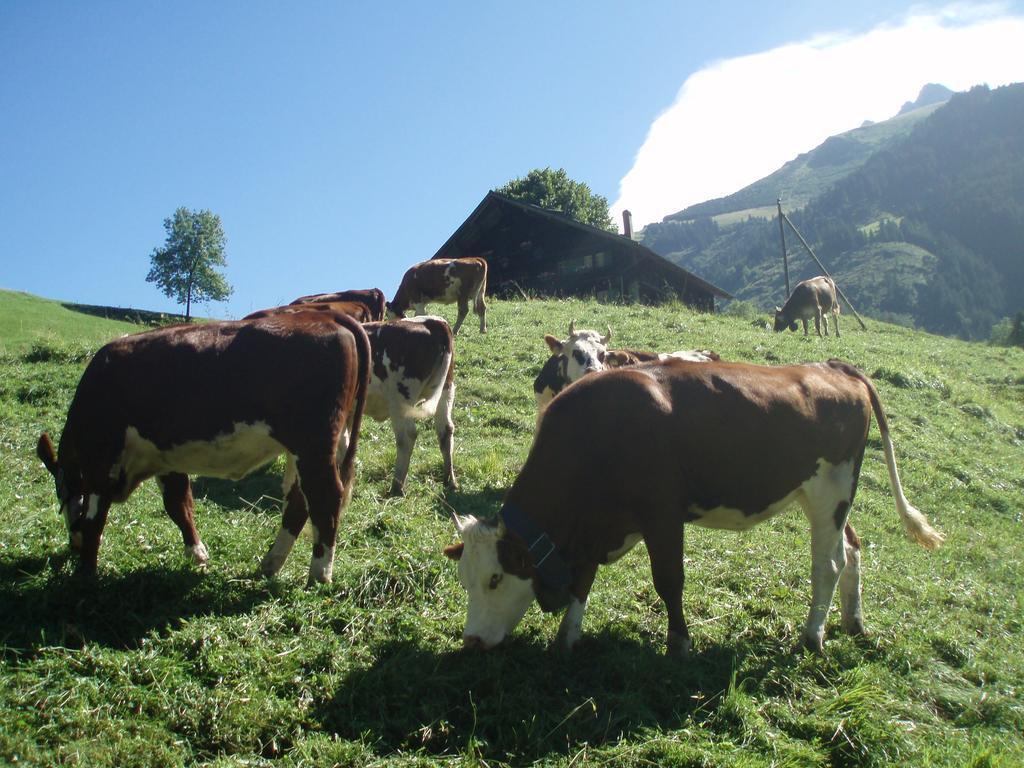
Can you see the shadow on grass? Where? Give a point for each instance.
(259, 491)
(482, 503)
(524, 702)
(42, 604)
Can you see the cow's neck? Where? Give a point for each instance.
(553, 573)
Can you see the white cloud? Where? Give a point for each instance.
(738, 120)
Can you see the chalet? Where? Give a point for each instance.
(540, 251)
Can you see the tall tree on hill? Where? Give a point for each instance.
(185, 268)
(556, 191)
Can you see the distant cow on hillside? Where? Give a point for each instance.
(373, 298)
(814, 298)
(445, 281)
(217, 399)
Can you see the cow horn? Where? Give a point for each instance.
(606, 339)
(572, 327)
(460, 522)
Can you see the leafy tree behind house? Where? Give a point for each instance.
(556, 191)
(185, 268)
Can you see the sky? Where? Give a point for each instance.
(342, 142)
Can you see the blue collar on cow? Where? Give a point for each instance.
(553, 573)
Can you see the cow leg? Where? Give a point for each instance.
(849, 585)
(293, 518)
(405, 440)
(481, 310)
(804, 321)
(324, 492)
(817, 321)
(828, 558)
(90, 529)
(180, 507)
(665, 549)
(571, 627)
(445, 429)
(463, 311)
(835, 321)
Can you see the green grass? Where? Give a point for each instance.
(158, 664)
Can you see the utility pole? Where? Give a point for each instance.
(782, 235)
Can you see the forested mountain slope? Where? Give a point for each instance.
(928, 229)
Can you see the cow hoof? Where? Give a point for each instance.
(677, 646)
(396, 491)
(269, 566)
(199, 555)
(814, 644)
(855, 628)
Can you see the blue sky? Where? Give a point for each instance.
(341, 142)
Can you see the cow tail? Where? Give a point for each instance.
(914, 521)
(365, 362)
(479, 300)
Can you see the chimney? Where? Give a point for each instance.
(627, 224)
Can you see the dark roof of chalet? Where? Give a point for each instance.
(495, 201)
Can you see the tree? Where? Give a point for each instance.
(185, 269)
(555, 190)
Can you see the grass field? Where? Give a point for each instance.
(158, 664)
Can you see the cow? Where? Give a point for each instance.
(638, 452)
(619, 358)
(217, 399)
(445, 281)
(413, 377)
(372, 298)
(357, 310)
(581, 353)
(814, 298)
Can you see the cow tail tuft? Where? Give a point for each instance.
(914, 521)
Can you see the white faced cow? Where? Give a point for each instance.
(218, 399)
(581, 353)
(638, 452)
(445, 281)
(413, 378)
(811, 299)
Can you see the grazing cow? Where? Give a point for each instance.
(445, 281)
(583, 352)
(218, 399)
(619, 358)
(357, 310)
(637, 453)
(814, 298)
(413, 378)
(373, 298)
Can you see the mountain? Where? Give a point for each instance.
(920, 218)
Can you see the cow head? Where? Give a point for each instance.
(582, 353)
(69, 489)
(497, 573)
(782, 322)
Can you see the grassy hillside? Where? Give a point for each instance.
(159, 664)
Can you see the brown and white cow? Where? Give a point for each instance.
(581, 353)
(413, 378)
(811, 299)
(217, 399)
(357, 310)
(372, 298)
(619, 358)
(639, 452)
(445, 281)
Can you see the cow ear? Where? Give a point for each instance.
(45, 452)
(553, 344)
(454, 551)
(606, 339)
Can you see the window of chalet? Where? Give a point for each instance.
(584, 263)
